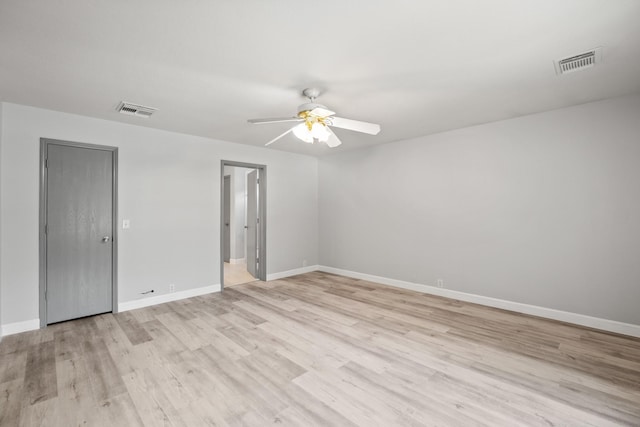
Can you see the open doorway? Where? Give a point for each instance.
(243, 223)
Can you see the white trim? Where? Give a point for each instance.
(17, 327)
(237, 261)
(295, 271)
(549, 313)
(161, 299)
(31, 325)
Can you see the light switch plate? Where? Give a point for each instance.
(126, 223)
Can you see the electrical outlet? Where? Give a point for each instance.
(440, 283)
(172, 287)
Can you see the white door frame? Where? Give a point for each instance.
(262, 214)
(44, 144)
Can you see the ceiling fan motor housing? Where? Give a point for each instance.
(310, 106)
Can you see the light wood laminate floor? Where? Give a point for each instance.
(318, 349)
(236, 274)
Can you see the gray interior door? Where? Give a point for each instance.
(227, 218)
(79, 232)
(252, 223)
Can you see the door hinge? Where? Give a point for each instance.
(46, 163)
(46, 229)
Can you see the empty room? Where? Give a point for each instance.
(383, 213)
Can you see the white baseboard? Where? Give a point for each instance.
(17, 327)
(30, 325)
(295, 271)
(534, 310)
(549, 313)
(160, 299)
(237, 261)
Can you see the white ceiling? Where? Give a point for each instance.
(415, 67)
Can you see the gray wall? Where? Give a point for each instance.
(1, 206)
(542, 209)
(170, 190)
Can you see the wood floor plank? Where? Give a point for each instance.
(343, 397)
(106, 381)
(117, 411)
(319, 350)
(12, 366)
(132, 328)
(76, 401)
(245, 393)
(152, 404)
(11, 396)
(44, 413)
(40, 380)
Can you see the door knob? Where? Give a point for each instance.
(106, 239)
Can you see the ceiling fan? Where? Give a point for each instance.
(315, 122)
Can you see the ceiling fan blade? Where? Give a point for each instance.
(355, 125)
(321, 112)
(278, 137)
(275, 120)
(333, 140)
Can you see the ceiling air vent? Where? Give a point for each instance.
(578, 62)
(135, 109)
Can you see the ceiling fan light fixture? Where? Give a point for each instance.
(303, 133)
(315, 122)
(319, 131)
(309, 132)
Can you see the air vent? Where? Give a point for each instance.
(578, 62)
(135, 109)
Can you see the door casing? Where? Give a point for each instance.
(44, 144)
(252, 241)
(262, 214)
